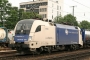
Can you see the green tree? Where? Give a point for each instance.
(30, 15)
(66, 19)
(85, 24)
(58, 19)
(20, 12)
(17, 15)
(70, 19)
(4, 10)
(13, 18)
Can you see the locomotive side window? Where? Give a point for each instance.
(38, 28)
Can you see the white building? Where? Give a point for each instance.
(48, 9)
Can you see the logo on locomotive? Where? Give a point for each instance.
(66, 31)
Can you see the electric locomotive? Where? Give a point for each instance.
(36, 36)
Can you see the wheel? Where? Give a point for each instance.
(73, 47)
(39, 50)
(49, 49)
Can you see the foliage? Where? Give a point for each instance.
(85, 24)
(17, 15)
(5, 7)
(30, 15)
(20, 12)
(58, 19)
(67, 19)
(70, 19)
(13, 18)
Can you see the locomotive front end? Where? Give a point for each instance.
(21, 35)
(28, 36)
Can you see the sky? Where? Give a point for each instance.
(81, 10)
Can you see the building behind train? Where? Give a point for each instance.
(48, 9)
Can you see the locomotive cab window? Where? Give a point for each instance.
(38, 29)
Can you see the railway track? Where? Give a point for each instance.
(1, 49)
(74, 55)
(7, 53)
(70, 56)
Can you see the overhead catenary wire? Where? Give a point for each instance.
(84, 13)
(77, 7)
(81, 4)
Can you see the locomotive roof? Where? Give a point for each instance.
(26, 21)
(65, 26)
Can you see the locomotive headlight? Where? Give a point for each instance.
(30, 37)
